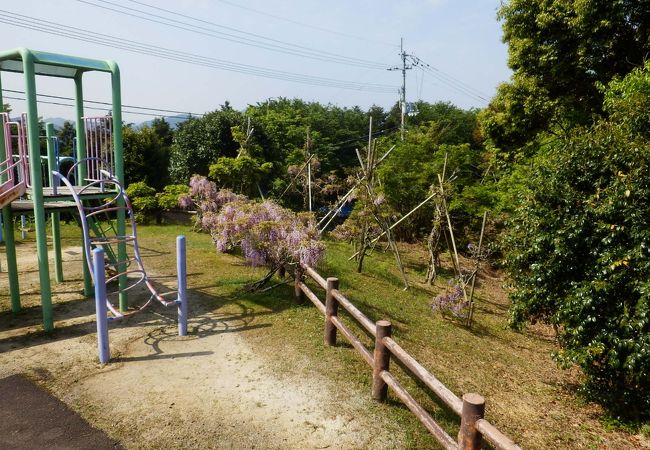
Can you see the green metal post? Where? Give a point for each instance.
(119, 173)
(12, 265)
(82, 172)
(8, 232)
(81, 129)
(55, 216)
(37, 190)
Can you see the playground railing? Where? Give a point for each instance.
(471, 408)
(14, 167)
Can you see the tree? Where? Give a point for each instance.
(578, 248)
(146, 158)
(163, 130)
(199, 142)
(559, 50)
(66, 137)
(242, 174)
(412, 168)
(267, 234)
(334, 132)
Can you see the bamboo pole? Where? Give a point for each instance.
(398, 222)
(470, 315)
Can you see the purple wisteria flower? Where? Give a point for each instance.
(266, 233)
(453, 301)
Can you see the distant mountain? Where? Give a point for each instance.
(173, 121)
(57, 121)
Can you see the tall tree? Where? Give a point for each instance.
(559, 51)
(66, 137)
(199, 142)
(146, 158)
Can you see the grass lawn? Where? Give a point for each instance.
(527, 396)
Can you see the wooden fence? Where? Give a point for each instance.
(471, 408)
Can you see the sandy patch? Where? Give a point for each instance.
(212, 389)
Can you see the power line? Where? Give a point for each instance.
(450, 81)
(447, 76)
(302, 24)
(257, 40)
(53, 28)
(96, 102)
(456, 88)
(86, 107)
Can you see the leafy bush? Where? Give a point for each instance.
(579, 250)
(143, 199)
(242, 174)
(168, 199)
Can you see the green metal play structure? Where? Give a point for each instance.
(23, 186)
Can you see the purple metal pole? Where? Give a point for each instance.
(181, 269)
(100, 305)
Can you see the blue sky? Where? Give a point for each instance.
(459, 40)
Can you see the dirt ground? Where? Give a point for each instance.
(212, 389)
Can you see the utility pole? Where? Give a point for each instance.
(402, 96)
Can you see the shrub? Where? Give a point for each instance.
(579, 253)
(143, 199)
(169, 198)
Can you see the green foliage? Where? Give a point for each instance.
(413, 167)
(241, 174)
(579, 248)
(334, 133)
(559, 51)
(199, 142)
(66, 137)
(146, 157)
(143, 199)
(168, 198)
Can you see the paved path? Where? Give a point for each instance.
(31, 418)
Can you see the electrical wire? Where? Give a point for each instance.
(450, 81)
(86, 107)
(257, 40)
(447, 76)
(76, 33)
(96, 102)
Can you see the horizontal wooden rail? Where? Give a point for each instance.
(352, 339)
(311, 296)
(315, 276)
(494, 436)
(422, 374)
(360, 317)
(473, 427)
(441, 436)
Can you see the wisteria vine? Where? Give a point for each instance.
(266, 233)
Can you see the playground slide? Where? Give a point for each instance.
(10, 192)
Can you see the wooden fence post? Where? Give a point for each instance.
(381, 361)
(469, 438)
(331, 309)
(299, 296)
